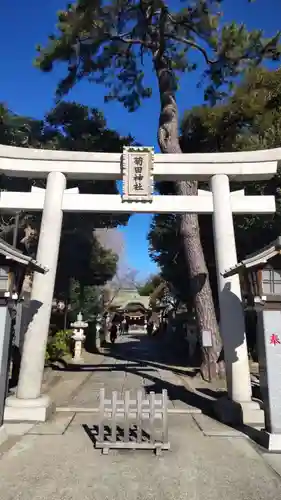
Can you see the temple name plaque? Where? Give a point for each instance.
(137, 171)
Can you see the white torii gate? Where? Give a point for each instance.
(57, 166)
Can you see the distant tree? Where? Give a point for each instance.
(24, 132)
(85, 260)
(113, 239)
(124, 278)
(84, 129)
(150, 285)
(89, 304)
(248, 120)
(69, 126)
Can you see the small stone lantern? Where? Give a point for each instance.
(260, 276)
(78, 336)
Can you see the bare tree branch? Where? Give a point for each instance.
(121, 37)
(119, 282)
(192, 44)
(186, 24)
(128, 40)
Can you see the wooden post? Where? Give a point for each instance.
(152, 416)
(102, 415)
(127, 417)
(139, 416)
(113, 417)
(165, 415)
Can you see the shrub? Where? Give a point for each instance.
(59, 345)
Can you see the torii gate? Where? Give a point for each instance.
(58, 166)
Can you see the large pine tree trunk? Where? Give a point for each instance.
(168, 138)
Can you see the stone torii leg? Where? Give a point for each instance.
(29, 404)
(239, 405)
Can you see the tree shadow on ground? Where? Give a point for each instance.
(211, 393)
(154, 351)
(145, 351)
(148, 374)
(143, 356)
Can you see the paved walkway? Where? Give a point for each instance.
(135, 361)
(57, 460)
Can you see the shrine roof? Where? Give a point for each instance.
(259, 258)
(125, 297)
(10, 253)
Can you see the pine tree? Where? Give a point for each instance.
(108, 43)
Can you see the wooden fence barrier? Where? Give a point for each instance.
(140, 423)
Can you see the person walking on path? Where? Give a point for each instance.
(113, 333)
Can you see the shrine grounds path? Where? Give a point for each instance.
(208, 461)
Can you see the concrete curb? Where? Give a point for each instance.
(81, 409)
(3, 434)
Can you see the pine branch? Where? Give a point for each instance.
(192, 44)
(131, 41)
(121, 37)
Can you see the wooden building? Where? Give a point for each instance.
(128, 304)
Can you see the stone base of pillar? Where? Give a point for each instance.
(3, 434)
(272, 442)
(234, 413)
(28, 410)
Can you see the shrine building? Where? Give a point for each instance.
(128, 304)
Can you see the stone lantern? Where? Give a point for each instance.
(260, 276)
(78, 336)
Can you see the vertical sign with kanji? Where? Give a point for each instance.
(269, 343)
(137, 170)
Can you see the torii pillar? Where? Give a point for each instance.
(238, 406)
(29, 404)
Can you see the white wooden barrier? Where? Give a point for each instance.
(133, 422)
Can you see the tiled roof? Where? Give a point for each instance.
(258, 258)
(11, 253)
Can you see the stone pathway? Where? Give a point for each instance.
(57, 460)
(135, 361)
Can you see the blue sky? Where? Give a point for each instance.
(24, 24)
